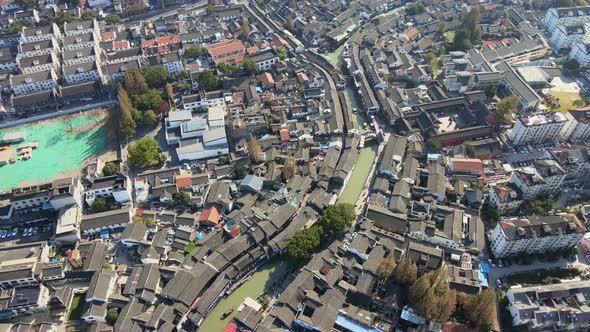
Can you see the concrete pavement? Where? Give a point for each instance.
(58, 113)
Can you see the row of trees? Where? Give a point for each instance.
(140, 100)
(470, 32)
(332, 224)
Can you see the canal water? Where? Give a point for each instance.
(358, 119)
(266, 277)
(362, 168)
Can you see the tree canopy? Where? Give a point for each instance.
(336, 219)
(489, 212)
(415, 8)
(126, 122)
(432, 297)
(504, 109)
(208, 80)
(406, 272)
(156, 76)
(479, 309)
(146, 152)
(304, 244)
(282, 52)
(110, 168)
(100, 204)
(112, 315)
(112, 19)
(249, 66)
(195, 51)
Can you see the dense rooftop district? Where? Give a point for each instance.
(417, 166)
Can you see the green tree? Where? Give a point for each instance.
(415, 8)
(228, 68)
(491, 91)
(112, 19)
(433, 145)
(208, 80)
(572, 65)
(110, 168)
(181, 199)
(239, 173)
(126, 123)
(472, 24)
(107, 266)
(112, 315)
(489, 213)
(451, 195)
(146, 152)
(156, 76)
(479, 309)
(100, 204)
(290, 25)
(249, 66)
(461, 40)
(336, 219)
(432, 297)
(195, 51)
(150, 100)
(504, 109)
(282, 52)
(303, 244)
(150, 118)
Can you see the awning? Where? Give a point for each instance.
(230, 327)
(47, 206)
(104, 233)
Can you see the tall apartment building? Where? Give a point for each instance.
(564, 36)
(577, 128)
(545, 176)
(536, 235)
(565, 16)
(537, 128)
(580, 51)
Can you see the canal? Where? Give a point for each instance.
(264, 278)
(362, 168)
(335, 58)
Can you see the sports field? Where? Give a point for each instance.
(63, 144)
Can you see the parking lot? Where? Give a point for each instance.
(33, 232)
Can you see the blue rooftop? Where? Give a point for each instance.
(353, 325)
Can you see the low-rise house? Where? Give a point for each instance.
(109, 221)
(135, 234)
(116, 186)
(33, 82)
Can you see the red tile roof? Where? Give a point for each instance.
(183, 181)
(210, 214)
(108, 35)
(467, 165)
(226, 48)
(284, 134)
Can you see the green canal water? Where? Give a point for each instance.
(357, 180)
(266, 276)
(63, 145)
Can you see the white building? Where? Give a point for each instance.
(577, 128)
(543, 177)
(99, 3)
(170, 61)
(198, 137)
(203, 99)
(117, 186)
(564, 36)
(506, 197)
(536, 235)
(82, 72)
(559, 307)
(40, 33)
(265, 59)
(565, 16)
(537, 128)
(33, 82)
(580, 52)
(66, 192)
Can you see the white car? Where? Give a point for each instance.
(499, 283)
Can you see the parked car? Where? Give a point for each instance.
(499, 283)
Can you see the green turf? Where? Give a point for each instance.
(357, 180)
(77, 307)
(58, 151)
